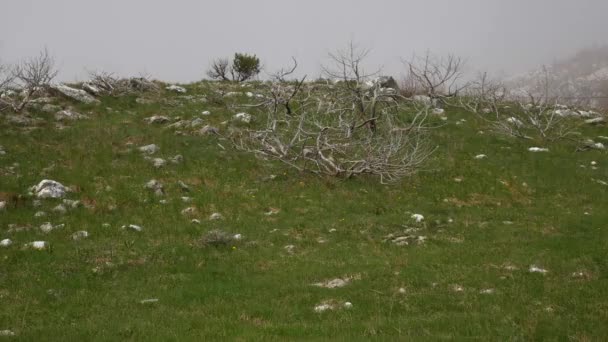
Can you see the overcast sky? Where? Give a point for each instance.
(175, 40)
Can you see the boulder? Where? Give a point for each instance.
(49, 189)
(73, 93)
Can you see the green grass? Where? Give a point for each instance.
(254, 289)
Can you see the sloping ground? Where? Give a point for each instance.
(510, 246)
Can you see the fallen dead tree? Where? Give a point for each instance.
(104, 83)
(355, 127)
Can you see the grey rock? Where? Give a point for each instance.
(49, 189)
(596, 121)
(149, 149)
(73, 93)
(208, 130)
(178, 159)
(159, 162)
(157, 119)
(156, 187)
(176, 88)
(61, 209)
(196, 122)
(68, 115)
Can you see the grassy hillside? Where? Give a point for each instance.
(463, 274)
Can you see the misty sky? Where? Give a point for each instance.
(175, 40)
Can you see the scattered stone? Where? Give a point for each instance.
(68, 115)
(186, 199)
(47, 227)
(6, 243)
(195, 221)
(599, 181)
(157, 119)
(183, 186)
(39, 245)
(2, 205)
(206, 112)
(417, 217)
(596, 121)
(272, 211)
(149, 149)
(36, 203)
(538, 149)
(594, 163)
(49, 189)
(40, 214)
(405, 240)
(334, 283)
(331, 304)
(189, 211)
(179, 125)
(216, 238)
(243, 117)
(60, 209)
(237, 237)
(149, 301)
(216, 216)
(480, 156)
(457, 288)
(73, 93)
(71, 203)
(2, 151)
(133, 227)
(487, 291)
(81, 234)
(438, 111)
(323, 307)
(158, 162)
(208, 130)
(178, 159)
(536, 269)
(401, 290)
(155, 186)
(515, 121)
(6, 333)
(196, 122)
(105, 225)
(176, 88)
(599, 146)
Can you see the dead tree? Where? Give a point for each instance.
(282, 91)
(437, 76)
(530, 113)
(328, 130)
(219, 69)
(30, 76)
(355, 83)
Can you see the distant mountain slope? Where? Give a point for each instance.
(579, 80)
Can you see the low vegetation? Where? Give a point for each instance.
(246, 210)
